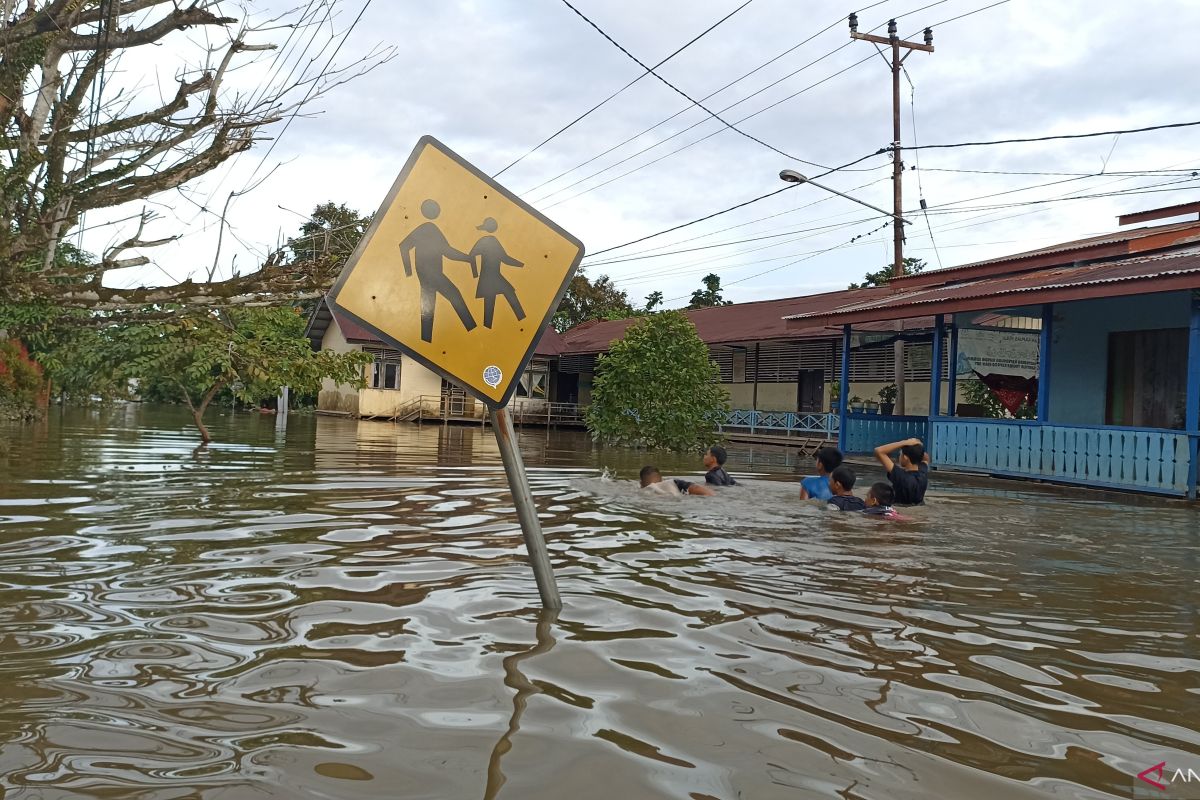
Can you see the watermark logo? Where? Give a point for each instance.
(1157, 771)
(1172, 782)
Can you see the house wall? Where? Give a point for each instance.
(1079, 354)
(415, 381)
(340, 398)
(782, 396)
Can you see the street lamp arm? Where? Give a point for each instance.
(791, 176)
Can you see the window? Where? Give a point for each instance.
(385, 372)
(533, 385)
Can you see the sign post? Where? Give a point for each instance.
(463, 276)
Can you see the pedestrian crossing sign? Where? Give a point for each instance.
(459, 273)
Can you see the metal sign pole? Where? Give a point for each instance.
(531, 526)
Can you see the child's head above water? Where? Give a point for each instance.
(881, 494)
(841, 480)
(911, 455)
(828, 459)
(650, 475)
(715, 457)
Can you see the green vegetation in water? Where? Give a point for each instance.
(657, 387)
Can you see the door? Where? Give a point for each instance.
(455, 402)
(1147, 378)
(810, 390)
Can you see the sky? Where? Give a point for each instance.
(494, 78)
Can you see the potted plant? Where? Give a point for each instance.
(856, 404)
(887, 399)
(871, 407)
(835, 395)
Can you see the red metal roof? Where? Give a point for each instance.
(1159, 272)
(759, 321)
(1116, 243)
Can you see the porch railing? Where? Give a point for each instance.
(783, 422)
(1145, 459)
(865, 432)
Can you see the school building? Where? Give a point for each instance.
(1116, 386)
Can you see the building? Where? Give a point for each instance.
(1117, 380)
(397, 387)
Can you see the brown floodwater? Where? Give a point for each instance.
(341, 609)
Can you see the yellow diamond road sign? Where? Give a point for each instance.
(458, 272)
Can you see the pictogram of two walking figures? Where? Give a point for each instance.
(427, 248)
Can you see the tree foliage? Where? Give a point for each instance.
(657, 387)
(21, 383)
(83, 132)
(334, 229)
(881, 277)
(653, 301)
(710, 295)
(587, 300)
(251, 351)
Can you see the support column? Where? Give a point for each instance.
(1044, 366)
(952, 389)
(844, 393)
(935, 367)
(1192, 412)
(754, 399)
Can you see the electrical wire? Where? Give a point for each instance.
(684, 94)
(1058, 137)
(648, 71)
(709, 96)
(912, 106)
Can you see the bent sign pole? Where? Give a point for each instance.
(464, 277)
(531, 526)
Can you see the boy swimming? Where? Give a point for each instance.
(841, 481)
(714, 462)
(879, 502)
(652, 479)
(816, 487)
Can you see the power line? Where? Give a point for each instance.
(709, 96)
(684, 94)
(648, 71)
(1054, 138)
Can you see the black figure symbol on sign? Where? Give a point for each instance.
(429, 247)
(490, 254)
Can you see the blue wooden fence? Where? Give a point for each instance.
(1145, 459)
(865, 432)
(784, 422)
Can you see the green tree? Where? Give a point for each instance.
(333, 229)
(881, 277)
(657, 387)
(710, 295)
(588, 300)
(21, 381)
(252, 352)
(653, 301)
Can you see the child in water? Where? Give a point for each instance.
(652, 479)
(714, 462)
(816, 487)
(841, 481)
(879, 501)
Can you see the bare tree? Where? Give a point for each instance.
(72, 143)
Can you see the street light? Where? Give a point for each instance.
(791, 176)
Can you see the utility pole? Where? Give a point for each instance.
(896, 64)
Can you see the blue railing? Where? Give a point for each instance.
(783, 422)
(1145, 459)
(865, 432)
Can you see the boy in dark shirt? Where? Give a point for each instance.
(816, 487)
(651, 478)
(841, 481)
(714, 462)
(879, 502)
(910, 478)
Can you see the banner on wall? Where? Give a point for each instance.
(995, 352)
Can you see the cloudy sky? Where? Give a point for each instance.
(494, 78)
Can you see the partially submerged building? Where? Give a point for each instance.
(1117, 380)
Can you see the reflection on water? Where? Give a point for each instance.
(340, 609)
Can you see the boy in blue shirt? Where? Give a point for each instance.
(816, 487)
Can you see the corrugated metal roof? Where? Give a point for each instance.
(743, 322)
(1072, 247)
(924, 300)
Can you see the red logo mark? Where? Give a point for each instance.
(1156, 770)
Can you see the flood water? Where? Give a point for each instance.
(341, 609)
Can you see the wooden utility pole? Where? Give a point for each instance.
(896, 64)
